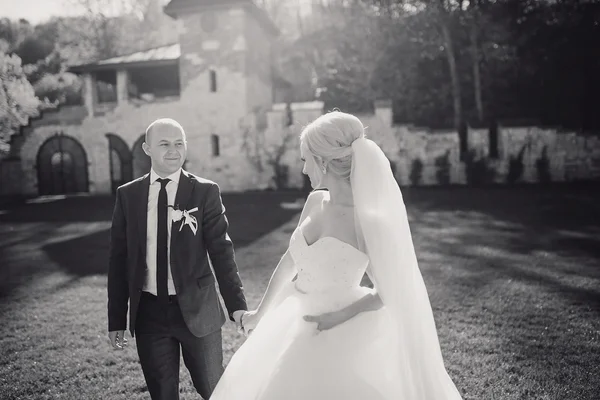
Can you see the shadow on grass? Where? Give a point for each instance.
(551, 276)
(564, 262)
(81, 256)
(558, 206)
(527, 291)
(251, 215)
(58, 209)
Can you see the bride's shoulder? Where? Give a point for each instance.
(317, 195)
(313, 201)
(316, 198)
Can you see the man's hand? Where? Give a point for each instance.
(237, 316)
(117, 339)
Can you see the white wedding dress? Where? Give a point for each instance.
(285, 357)
(389, 354)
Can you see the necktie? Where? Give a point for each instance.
(162, 260)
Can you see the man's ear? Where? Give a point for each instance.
(146, 148)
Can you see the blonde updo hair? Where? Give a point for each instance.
(330, 138)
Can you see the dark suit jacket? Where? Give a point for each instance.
(192, 276)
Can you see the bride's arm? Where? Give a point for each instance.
(369, 302)
(284, 272)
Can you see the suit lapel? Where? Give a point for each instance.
(182, 198)
(142, 212)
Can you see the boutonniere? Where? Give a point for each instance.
(188, 219)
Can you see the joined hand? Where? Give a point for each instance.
(249, 321)
(237, 317)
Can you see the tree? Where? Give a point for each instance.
(123, 26)
(266, 150)
(18, 102)
(14, 32)
(104, 27)
(474, 19)
(62, 88)
(38, 44)
(443, 11)
(338, 55)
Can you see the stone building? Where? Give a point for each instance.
(214, 79)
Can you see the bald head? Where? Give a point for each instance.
(165, 143)
(162, 125)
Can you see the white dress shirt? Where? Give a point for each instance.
(151, 236)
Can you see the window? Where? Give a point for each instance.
(61, 158)
(213, 81)
(154, 82)
(214, 140)
(106, 86)
(115, 166)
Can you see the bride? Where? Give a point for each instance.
(317, 334)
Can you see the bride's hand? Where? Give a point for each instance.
(249, 321)
(327, 320)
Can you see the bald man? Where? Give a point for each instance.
(165, 227)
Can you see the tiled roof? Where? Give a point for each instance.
(170, 52)
(179, 4)
(158, 54)
(178, 7)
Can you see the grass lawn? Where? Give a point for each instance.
(513, 275)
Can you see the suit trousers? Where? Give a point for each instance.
(161, 335)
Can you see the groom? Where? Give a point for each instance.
(165, 226)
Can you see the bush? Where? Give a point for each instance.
(17, 100)
(442, 164)
(281, 176)
(543, 167)
(478, 169)
(416, 172)
(515, 166)
(52, 64)
(60, 88)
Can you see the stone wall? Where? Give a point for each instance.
(543, 154)
(11, 176)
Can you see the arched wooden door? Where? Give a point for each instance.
(62, 166)
(141, 161)
(120, 158)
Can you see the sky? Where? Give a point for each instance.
(35, 11)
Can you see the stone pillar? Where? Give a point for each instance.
(304, 113)
(383, 111)
(122, 84)
(276, 117)
(89, 92)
